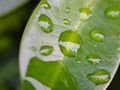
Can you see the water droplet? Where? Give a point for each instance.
(95, 45)
(45, 23)
(66, 21)
(99, 77)
(114, 0)
(69, 43)
(45, 4)
(112, 12)
(34, 49)
(46, 50)
(118, 48)
(119, 36)
(78, 61)
(94, 59)
(67, 9)
(85, 14)
(97, 35)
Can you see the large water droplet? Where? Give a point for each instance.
(66, 21)
(94, 59)
(99, 77)
(69, 43)
(97, 35)
(67, 9)
(45, 4)
(45, 23)
(112, 12)
(46, 50)
(85, 14)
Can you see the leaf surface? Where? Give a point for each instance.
(83, 35)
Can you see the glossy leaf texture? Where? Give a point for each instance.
(71, 45)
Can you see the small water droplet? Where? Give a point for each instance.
(97, 35)
(69, 43)
(112, 12)
(94, 59)
(66, 21)
(45, 23)
(67, 9)
(99, 77)
(78, 62)
(114, 0)
(85, 14)
(95, 45)
(46, 50)
(118, 48)
(119, 36)
(34, 49)
(45, 4)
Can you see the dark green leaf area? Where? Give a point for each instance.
(52, 74)
(28, 85)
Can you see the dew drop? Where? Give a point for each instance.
(119, 36)
(45, 23)
(67, 9)
(94, 59)
(78, 61)
(45, 4)
(97, 35)
(118, 48)
(99, 77)
(85, 14)
(66, 21)
(112, 13)
(33, 49)
(46, 50)
(114, 0)
(69, 43)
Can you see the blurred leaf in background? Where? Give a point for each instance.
(14, 15)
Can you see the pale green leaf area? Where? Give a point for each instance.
(71, 45)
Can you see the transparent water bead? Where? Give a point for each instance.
(94, 59)
(99, 77)
(118, 48)
(45, 4)
(112, 13)
(119, 36)
(46, 50)
(45, 23)
(97, 35)
(66, 21)
(33, 49)
(67, 9)
(114, 0)
(85, 14)
(69, 43)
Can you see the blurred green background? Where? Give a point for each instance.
(13, 19)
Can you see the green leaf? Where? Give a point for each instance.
(72, 44)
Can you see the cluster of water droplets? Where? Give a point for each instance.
(70, 42)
